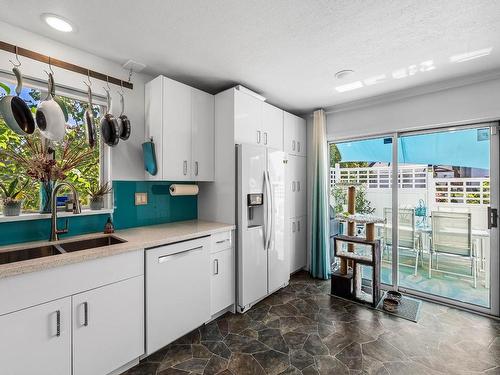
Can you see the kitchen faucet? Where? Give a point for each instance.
(54, 232)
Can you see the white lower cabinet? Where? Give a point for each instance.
(108, 328)
(222, 280)
(298, 243)
(37, 340)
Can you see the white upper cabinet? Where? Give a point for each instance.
(176, 131)
(294, 133)
(257, 122)
(180, 119)
(247, 119)
(202, 136)
(272, 126)
(296, 177)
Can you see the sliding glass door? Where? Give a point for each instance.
(443, 206)
(447, 188)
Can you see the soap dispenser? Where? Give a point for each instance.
(109, 227)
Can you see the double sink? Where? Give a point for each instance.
(57, 249)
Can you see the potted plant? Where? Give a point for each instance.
(96, 195)
(11, 193)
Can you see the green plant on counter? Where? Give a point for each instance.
(12, 192)
(97, 191)
(82, 175)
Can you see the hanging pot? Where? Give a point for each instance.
(15, 111)
(110, 130)
(49, 115)
(89, 120)
(124, 121)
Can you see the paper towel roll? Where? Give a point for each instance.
(176, 189)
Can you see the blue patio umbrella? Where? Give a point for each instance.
(462, 148)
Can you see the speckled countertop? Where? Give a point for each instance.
(137, 238)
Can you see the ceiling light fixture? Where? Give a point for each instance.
(343, 73)
(349, 86)
(57, 22)
(461, 57)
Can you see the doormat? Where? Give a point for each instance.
(409, 308)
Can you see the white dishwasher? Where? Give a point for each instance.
(177, 291)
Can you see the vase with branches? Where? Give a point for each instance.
(39, 161)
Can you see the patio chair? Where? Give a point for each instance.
(452, 236)
(407, 239)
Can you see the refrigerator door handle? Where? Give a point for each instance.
(268, 211)
(271, 210)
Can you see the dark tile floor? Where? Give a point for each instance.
(303, 330)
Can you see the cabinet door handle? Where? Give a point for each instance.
(222, 241)
(185, 167)
(58, 323)
(298, 226)
(85, 314)
(293, 185)
(216, 266)
(298, 146)
(293, 145)
(293, 227)
(265, 138)
(258, 136)
(196, 168)
(298, 185)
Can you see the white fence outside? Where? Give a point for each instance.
(416, 182)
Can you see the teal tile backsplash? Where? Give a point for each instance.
(161, 207)
(35, 230)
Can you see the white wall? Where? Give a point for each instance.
(419, 108)
(126, 158)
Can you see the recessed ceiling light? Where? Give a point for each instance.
(343, 73)
(349, 86)
(57, 22)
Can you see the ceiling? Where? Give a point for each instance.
(287, 50)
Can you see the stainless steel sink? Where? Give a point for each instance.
(57, 249)
(26, 254)
(90, 243)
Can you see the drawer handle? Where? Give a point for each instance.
(298, 226)
(58, 323)
(293, 226)
(298, 146)
(293, 145)
(216, 266)
(166, 258)
(85, 314)
(293, 185)
(265, 138)
(298, 185)
(222, 241)
(258, 136)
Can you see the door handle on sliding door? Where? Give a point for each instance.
(492, 218)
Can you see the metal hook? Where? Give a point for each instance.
(18, 62)
(89, 83)
(50, 66)
(107, 83)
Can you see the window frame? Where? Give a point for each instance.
(104, 152)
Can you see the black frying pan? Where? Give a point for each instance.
(110, 130)
(125, 128)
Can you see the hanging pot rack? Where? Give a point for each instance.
(63, 64)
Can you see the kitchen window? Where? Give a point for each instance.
(84, 176)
